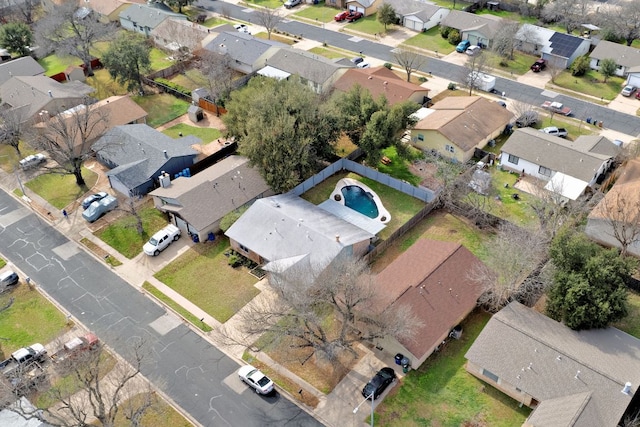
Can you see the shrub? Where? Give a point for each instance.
(234, 261)
(454, 37)
(444, 31)
(422, 79)
(388, 65)
(452, 86)
(580, 66)
(178, 88)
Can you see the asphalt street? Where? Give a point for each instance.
(197, 376)
(611, 119)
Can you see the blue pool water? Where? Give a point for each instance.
(359, 200)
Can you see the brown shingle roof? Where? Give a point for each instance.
(628, 186)
(431, 278)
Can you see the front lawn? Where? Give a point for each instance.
(318, 12)
(271, 4)
(431, 40)
(328, 53)
(162, 108)
(176, 307)
(9, 159)
(275, 37)
(205, 134)
(122, 235)
(204, 277)
(591, 84)
(61, 190)
(369, 25)
(441, 393)
(30, 319)
(519, 65)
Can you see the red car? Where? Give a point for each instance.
(342, 15)
(539, 65)
(354, 16)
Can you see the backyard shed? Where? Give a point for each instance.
(195, 113)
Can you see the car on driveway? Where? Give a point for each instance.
(354, 16)
(628, 90)
(539, 65)
(93, 198)
(290, 3)
(161, 239)
(356, 60)
(363, 64)
(32, 161)
(473, 50)
(99, 208)
(242, 28)
(342, 15)
(463, 46)
(379, 383)
(260, 383)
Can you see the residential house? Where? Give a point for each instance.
(25, 66)
(626, 57)
(617, 217)
(102, 116)
(11, 416)
(196, 204)
(478, 29)
(31, 97)
(633, 76)
(247, 53)
(366, 7)
(568, 166)
(457, 125)
(432, 279)
(569, 378)
(284, 231)
(382, 81)
(418, 15)
(558, 49)
(108, 10)
(318, 72)
(144, 18)
(179, 35)
(137, 154)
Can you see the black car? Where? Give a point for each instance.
(379, 383)
(357, 60)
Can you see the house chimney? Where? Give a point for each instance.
(166, 156)
(627, 388)
(165, 180)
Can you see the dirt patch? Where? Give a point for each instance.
(428, 174)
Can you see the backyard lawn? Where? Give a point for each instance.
(31, 319)
(162, 108)
(54, 64)
(203, 276)
(122, 235)
(431, 40)
(318, 12)
(398, 167)
(104, 85)
(159, 59)
(61, 190)
(591, 84)
(191, 79)
(441, 393)
(205, 134)
(631, 323)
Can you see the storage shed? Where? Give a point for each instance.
(195, 113)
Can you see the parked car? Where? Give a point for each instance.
(93, 198)
(32, 161)
(379, 383)
(356, 60)
(242, 28)
(23, 356)
(638, 95)
(473, 50)
(556, 107)
(99, 208)
(463, 46)
(555, 131)
(8, 278)
(539, 65)
(290, 3)
(342, 15)
(363, 64)
(354, 16)
(628, 90)
(255, 379)
(159, 241)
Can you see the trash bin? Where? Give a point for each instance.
(405, 364)
(195, 238)
(399, 358)
(589, 120)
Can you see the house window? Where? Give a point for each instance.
(420, 137)
(493, 377)
(513, 159)
(544, 171)
(243, 248)
(449, 148)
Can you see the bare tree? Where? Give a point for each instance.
(12, 128)
(513, 254)
(68, 137)
(554, 70)
(327, 311)
(19, 10)
(64, 31)
(217, 69)
(624, 18)
(505, 41)
(621, 214)
(132, 207)
(524, 113)
(570, 13)
(268, 18)
(474, 70)
(409, 60)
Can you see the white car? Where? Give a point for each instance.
(256, 379)
(242, 28)
(32, 160)
(363, 64)
(290, 3)
(473, 50)
(159, 241)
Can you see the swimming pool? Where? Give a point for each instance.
(357, 196)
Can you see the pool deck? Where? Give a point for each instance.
(383, 214)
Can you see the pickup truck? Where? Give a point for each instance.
(552, 130)
(24, 356)
(75, 347)
(556, 107)
(159, 241)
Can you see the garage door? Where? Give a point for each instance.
(412, 24)
(360, 9)
(634, 80)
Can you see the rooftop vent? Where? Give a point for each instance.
(627, 388)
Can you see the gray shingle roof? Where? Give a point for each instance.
(286, 226)
(138, 151)
(311, 67)
(148, 16)
(25, 66)
(241, 47)
(626, 56)
(211, 194)
(417, 8)
(579, 159)
(547, 356)
(487, 25)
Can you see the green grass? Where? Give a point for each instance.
(369, 25)
(519, 65)
(159, 59)
(574, 127)
(275, 37)
(203, 276)
(215, 22)
(31, 319)
(318, 12)
(9, 156)
(176, 307)
(160, 414)
(61, 190)
(54, 64)
(191, 79)
(398, 168)
(441, 393)
(122, 235)
(431, 40)
(205, 134)
(631, 323)
(271, 4)
(2, 263)
(162, 108)
(327, 53)
(104, 85)
(591, 84)
(512, 16)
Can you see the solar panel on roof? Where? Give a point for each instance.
(564, 45)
